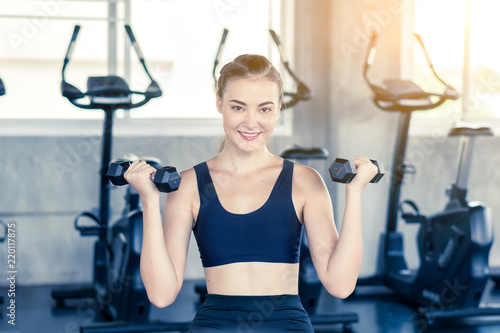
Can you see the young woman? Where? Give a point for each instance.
(247, 207)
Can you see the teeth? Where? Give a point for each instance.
(249, 135)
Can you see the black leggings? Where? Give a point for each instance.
(251, 314)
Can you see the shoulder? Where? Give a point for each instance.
(188, 185)
(185, 197)
(188, 179)
(308, 183)
(189, 175)
(306, 176)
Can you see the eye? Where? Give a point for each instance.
(237, 108)
(266, 110)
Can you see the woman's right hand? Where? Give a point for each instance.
(365, 171)
(140, 176)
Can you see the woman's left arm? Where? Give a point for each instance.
(336, 257)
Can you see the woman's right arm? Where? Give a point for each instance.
(165, 244)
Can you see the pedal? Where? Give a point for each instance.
(414, 218)
(88, 230)
(411, 217)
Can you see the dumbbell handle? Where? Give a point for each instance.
(344, 171)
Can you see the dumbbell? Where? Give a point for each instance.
(166, 178)
(343, 171)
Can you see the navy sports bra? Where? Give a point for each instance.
(271, 233)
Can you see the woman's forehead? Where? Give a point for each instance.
(252, 88)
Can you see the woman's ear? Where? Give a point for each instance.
(218, 102)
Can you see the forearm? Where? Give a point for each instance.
(157, 269)
(345, 260)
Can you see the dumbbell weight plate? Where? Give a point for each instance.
(342, 171)
(167, 179)
(380, 171)
(116, 171)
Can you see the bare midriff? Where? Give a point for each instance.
(253, 279)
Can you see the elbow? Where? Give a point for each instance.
(163, 298)
(344, 293)
(162, 302)
(341, 290)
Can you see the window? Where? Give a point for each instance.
(178, 39)
(35, 36)
(461, 38)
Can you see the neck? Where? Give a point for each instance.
(243, 162)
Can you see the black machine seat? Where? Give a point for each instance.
(470, 130)
(108, 90)
(404, 95)
(300, 153)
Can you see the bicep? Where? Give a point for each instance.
(177, 224)
(319, 222)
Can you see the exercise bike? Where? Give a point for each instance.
(117, 290)
(453, 244)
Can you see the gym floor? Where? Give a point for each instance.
(378, 309)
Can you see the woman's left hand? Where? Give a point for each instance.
(365, 171)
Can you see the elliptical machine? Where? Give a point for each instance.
(453, 244)
(117, 289)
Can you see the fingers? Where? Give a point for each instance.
(139, 169)
(361, 159)
(365, 165)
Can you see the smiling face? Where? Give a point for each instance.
(249, 108)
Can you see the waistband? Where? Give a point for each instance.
(273, 303)
(262, 314)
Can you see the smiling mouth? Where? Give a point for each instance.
(249, 136)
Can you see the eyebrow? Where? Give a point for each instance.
(244, 104)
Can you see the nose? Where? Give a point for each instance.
(251, 120)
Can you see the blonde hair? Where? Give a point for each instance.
(248, 66)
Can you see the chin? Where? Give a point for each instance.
(252, 147)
